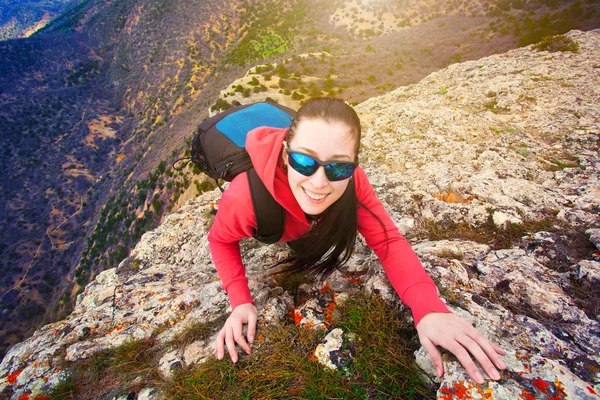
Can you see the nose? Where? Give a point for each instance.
(319, 179)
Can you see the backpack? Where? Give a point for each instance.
(218, 150)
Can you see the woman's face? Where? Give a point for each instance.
(327, 142)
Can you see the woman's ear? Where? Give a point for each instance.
(284, 155)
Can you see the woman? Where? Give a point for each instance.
(311, 169)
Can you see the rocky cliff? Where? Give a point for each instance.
(490, 167)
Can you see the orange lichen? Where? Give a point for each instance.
(460, 390)
(521, 356)
(297, 317)
(12, 378)
(24, 396)
(290, 313)
(526, 395)
(326, 289)
(328, 312)
(541, 385)
(457, 391)
(358, 281)
(488, 394)
(41, 397)
(260, 337)
(115, 329)
(451, 197)
(592, 391)
(560, 389)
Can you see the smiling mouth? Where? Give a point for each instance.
(314, 196)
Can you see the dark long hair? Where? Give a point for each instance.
(330, 243)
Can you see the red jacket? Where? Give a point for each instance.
(235, 220)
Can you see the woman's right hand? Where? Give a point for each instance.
(231, 333)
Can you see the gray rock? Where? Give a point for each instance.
(198, 351)
(149, 394)
(311, 314)
(170, 362)
(589, 271)
(336, 351)
(594, 235)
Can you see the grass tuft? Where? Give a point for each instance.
(450, 254)
(498, 237)
(66, 388)
(128, 367)
(557, 165)
(282, 366)
(197, 331)
(557, 43)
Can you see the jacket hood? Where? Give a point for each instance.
(264, 145)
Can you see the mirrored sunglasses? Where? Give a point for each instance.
(307, 165)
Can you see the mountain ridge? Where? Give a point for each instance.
(514, 137)
(149, 71)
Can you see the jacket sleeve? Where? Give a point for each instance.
(400, 263)
(234, 220)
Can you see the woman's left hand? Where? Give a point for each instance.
(461, 338)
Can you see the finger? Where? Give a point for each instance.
(459, 349)
(497, 348)
(219, 344)
(239, 338)
(435, 355)
(478, 352)
(251, 333)
(490, 349)
(230, 344)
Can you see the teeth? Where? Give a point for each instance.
(314, 196)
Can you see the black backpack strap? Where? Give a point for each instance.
(270, 216)
(183, 165)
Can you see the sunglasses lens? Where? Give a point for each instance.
(307, 166)
(303, 164)
(339, 171)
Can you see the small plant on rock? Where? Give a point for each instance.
(557, 43)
